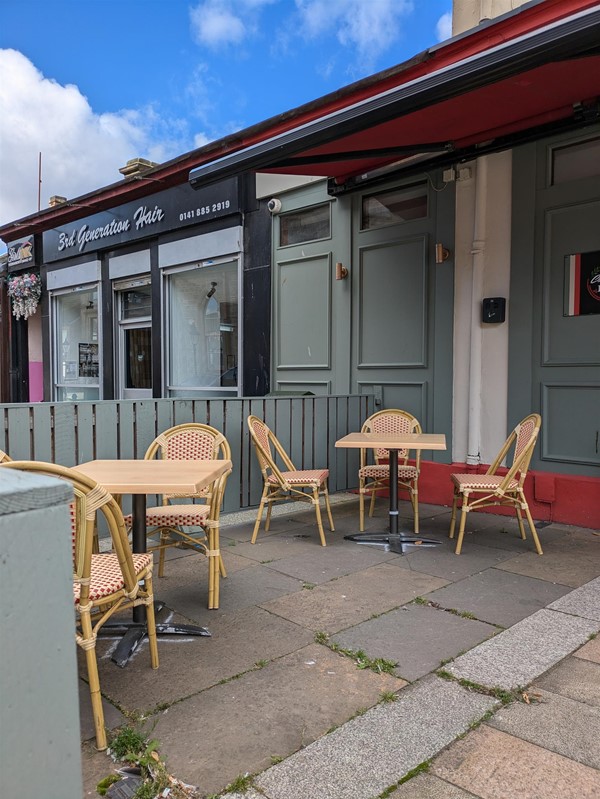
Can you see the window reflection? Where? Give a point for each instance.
(392, 207)
(76, 356)
(203, 330)
(309, 224)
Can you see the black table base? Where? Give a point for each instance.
(135, 631)
(393, 541)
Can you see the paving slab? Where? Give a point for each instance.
(441, 561)
(573, 560)
(416, 637)
(372, 752)
(189, 665)
(241, 589)
(112, 716)
(498, 596)
(425, 786)
(584, 601)
(192, 567)
(545, 722)
(274, 547)
(590, 651)
(95, 766)
(344, 602)
(228, 730)
(519, 655)
(575, 678)
(329, 563)
(251, 794)
(494, 765)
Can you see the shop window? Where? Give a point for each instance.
(309, 224)
(394, 206)
(76, 348)
(203, 331)
(576, 161)
(136, 302)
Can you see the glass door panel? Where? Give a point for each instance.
(138, 358)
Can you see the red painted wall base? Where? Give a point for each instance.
(553, 497)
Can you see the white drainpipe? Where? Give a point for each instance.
(476, 333)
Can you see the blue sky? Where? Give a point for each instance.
(92, 83)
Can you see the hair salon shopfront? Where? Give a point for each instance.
(145, 299)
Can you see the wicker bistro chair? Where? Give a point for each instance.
(374, 477)
(290, 484)
(4, 458)
(102, 583)
(188, 442)
(482, 490)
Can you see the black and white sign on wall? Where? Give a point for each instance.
(158, 213)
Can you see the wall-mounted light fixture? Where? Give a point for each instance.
(213, 288)
(441, 253)
(341, 273)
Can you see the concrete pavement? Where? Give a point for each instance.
(342, 671)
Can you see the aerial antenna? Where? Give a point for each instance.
(39, 181)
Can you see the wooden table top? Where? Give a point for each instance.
(154, 476)
(393, 441)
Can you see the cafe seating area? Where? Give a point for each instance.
(500, 488)
(374, 476)
(178, 512)
(303, 635)
(288, 484)
(104, 584)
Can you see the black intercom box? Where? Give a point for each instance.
(493, 309)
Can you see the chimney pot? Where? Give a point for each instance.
(136, 166)
(56, 199)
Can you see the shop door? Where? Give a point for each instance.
(402, 308)
(385, 327)
(311, 309)
(134, 339)
(136, 362)
(561, 306)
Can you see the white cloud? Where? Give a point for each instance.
(368, 27)
(81, 150)
(222, 22)
(444, 26)
(214, 25)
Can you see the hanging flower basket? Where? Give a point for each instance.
(25, 292)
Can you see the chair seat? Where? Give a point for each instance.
(381, 471)
(307, 477)
(480, 481)
(174, 515)
(106, 575)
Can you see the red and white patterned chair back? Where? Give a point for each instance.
(524, 435)
(189, 445)
(190, 441)
(262, 438)
(391, 421)
(90, 497)
(524, 432)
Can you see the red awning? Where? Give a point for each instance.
(444, 110)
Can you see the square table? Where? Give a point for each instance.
(393, 442)
(139, 478)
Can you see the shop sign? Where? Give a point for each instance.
(582, 284)
(21, 253)
(158, 213)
